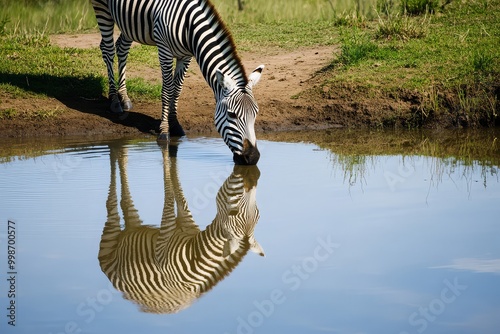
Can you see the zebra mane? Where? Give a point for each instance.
(228, 36)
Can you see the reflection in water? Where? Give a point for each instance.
(413, 224)
(165, 269)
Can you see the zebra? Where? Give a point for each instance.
(181, 30)
(165, 269)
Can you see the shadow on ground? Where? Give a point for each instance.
(83, 94)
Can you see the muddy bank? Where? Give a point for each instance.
(286, 75)
(291, 96)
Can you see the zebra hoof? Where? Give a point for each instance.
(176, 130)
(163, 138)
(116, 107)
(126, 105)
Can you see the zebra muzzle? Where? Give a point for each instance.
(250, 155)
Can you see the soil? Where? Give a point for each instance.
(289, 97)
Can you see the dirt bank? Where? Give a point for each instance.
(286, 95)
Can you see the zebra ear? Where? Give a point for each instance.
(254, 77)
(256, 248)
(225, 81)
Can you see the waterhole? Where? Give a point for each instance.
(332, 232)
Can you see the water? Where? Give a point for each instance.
(405, 241)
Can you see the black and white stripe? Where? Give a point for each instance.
(165, 269)
(182, 29)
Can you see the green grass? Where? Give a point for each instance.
(138, 87)
(355, 47)
(264, 11)
(46, 16)
(8, 113)
(402, 27)
(32, 65)
(451, 61)
(62, 16)
(417, 7)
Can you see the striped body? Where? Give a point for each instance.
(182, 29)
(165, 269)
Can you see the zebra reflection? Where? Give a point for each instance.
(165, 269)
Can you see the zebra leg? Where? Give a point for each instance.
(172, 221)
(130, 213)
(168, 221)
(107, 46)
(122, 50)
(166, 64)
(184, 217)
(111, 231)
(181, 67)
(109, 57)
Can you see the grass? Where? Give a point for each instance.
(32, 65)
(451, 61)
(262, 11)
(417, 7)
(355, 46)
(8, 113)
(46, 16)
(482, 61)
(142, 89)
(402, 27)
(62, 16)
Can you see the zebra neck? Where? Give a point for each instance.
(217, 234)
(213, 47)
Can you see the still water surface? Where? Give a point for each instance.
(360, 243)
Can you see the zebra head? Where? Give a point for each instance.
(235, 113)
(237, 210)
